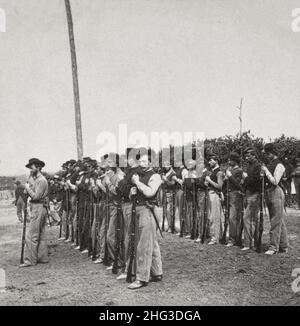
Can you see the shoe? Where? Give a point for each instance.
(98, 261)
(212, 242)
(245, 248)
(187, 236)
(178, 233)
(122, 276)
(68, 240)
(109, 268)
(85, 251)
(77, 248)
(60, 239)
(136, 285)
(284, 251)
(25, 265)
(271, 252)
(156, 278)
(229, 244)
(198, 240)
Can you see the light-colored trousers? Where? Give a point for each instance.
(278, 232)
(36, 244)
(148, 257)
(215, 216)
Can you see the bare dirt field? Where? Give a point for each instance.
(193, 274)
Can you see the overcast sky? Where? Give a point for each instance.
(155, 65)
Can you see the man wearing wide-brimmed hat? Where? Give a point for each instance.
(36, 244)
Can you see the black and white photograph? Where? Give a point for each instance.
(149, 155)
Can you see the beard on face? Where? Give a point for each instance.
(33, 173)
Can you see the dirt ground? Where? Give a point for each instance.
(193, 274)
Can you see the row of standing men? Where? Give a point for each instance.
(100, 201)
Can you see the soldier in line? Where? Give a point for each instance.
(168, 186)
(215, 212)
(233, 177)
(148, 260)
(36, 244)
(253, 187)
(275, 202)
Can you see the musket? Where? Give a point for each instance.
(205, 217)
(97, 226)
(118, 237)
(224, 237)
(106, 258)
(91, 219)
(132, 254)
(261, 215)
(24, 233)
(194, 228)
(183, 215)
(240, 239)
(173, 212)
(67, 215)
(163, 208)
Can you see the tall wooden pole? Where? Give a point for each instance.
(240, 108)
(75, 81)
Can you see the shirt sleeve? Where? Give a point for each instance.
(152, 188)
(278, 173)
(185, 174)
(40, 189)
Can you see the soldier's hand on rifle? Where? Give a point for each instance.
(135, 179)
(228, 173)
(207, 179)
(264, 169)
(244, 175)
(164, 178)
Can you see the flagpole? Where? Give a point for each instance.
(75, 81)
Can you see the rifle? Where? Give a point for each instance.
(118, 237)
(261, 215)
(132, 256)
(226, 213)
(24, 234)
(183, 215)
(67, 215)
(97, 226)
(164, 208)
(205, 219)
(77, 225)
(240, 239)
(194, 227)
(106, 258)
(90, 243)
(173, 212)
